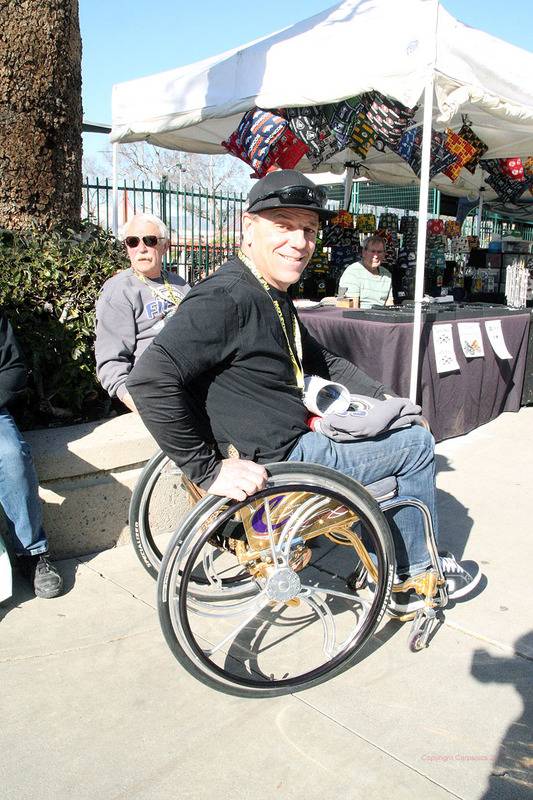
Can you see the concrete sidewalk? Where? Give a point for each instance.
(95, 706)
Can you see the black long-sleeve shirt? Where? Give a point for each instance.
(220, 373)
(12, 367)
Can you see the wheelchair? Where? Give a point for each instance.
(279, 592)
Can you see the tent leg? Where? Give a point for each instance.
(480, 213)
(115, 189)
(422, 231)
(348, 183)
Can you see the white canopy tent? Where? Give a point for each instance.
(405, 49)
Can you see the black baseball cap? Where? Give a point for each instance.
(288, 188)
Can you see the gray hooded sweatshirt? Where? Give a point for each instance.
(129, 314)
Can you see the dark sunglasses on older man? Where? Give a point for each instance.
(149, 241)
(302, 195)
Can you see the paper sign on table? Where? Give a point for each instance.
(443, 345)
(470, 338)
(495, 334)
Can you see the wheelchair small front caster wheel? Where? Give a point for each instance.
(416, 642)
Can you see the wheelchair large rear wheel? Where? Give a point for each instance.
(156, 508)
(299, 623)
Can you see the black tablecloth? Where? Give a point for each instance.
(453, 403)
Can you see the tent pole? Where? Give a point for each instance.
(115, 189)
(480, 213)
(422, 230)
(348, 183)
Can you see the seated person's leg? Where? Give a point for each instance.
(20, 500)
(408, 454)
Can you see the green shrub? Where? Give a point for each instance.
(49, 283)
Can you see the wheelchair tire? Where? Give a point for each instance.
(154, 517)
(286, 609)
(144, 530)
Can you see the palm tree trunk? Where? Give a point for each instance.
(40, 114)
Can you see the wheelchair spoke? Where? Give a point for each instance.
(259, 605)
(208, 562)
(326, 618)
(347, 595)
(275, 551)
(218, 608)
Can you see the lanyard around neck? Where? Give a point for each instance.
(156, 292)
(296, 358)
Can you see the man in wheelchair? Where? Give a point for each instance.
(229, 368)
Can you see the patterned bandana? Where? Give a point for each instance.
(440, 158)
(468, 134)
(342, 117)
(363, 135)
(388, 117)
(461, 149)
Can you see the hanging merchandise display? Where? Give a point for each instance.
(435, 227)
(472, 138)
(388, 221)
(363, 136)
(435, 262)
(257, 132)
(506, 177)
(388, 117)
(513, 168)
(343, 240)
(528, 170)
(309, 125)
(342, 117)
(461, 149)
(264, 141)
(459, 245)
(366, 223)
(391, 244)
(452, 228)
(404, 148)
(440, 159)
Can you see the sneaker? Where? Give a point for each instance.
(46, 580)
(459, 581)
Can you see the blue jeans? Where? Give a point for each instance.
(19, 495)
(406, 453)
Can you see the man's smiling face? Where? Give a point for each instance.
(280, 242)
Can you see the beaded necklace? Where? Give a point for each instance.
(156, 291)
(296, 358)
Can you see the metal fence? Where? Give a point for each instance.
(205, 227)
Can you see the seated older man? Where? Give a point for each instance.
(228, 369)
(134, 305)
(366, 281)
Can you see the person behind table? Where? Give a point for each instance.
(19, 487)
(228, 369)
(367, 281)
(134, 305)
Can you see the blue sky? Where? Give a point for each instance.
(122, 41)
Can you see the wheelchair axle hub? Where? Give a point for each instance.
(283, 585)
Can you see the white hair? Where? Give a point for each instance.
(142, 217)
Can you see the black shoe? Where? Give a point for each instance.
(44, 577)
(461, 579)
